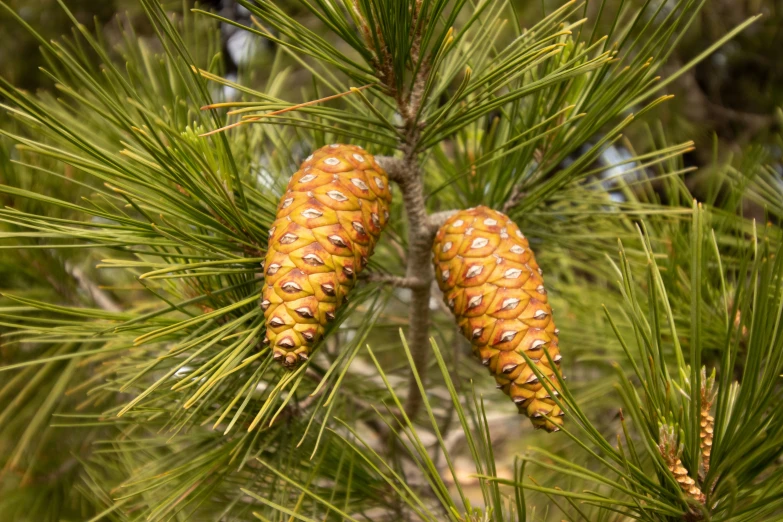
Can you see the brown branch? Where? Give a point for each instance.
(419, 266)
(405, 171)
(394, 280)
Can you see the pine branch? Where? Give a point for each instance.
(407, 173)
(419, 266)
(393, 280)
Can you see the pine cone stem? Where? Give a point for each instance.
(438, 219)
(394, 167)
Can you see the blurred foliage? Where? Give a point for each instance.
(20, 58)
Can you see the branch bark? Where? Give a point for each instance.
(517, 195)
(393, 280)
(406, 173)
(422, 228)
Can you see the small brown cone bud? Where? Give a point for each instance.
(326, 228)
(492, 283)
(707, 422)
(671, 452)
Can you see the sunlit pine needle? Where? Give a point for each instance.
(282, 111)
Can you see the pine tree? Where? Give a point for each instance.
(141, 208)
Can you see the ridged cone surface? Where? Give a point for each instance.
(327, 224)
(687, 484)
(671, 453)
(707, 424)
(492, 283)
(706, 421)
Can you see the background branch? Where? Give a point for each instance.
(101, 298)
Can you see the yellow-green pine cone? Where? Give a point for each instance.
(492, 283)
(327, 224)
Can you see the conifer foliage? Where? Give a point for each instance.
(201, 319)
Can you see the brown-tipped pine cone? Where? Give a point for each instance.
(327, 225)
(492, 283)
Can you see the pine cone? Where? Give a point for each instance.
(492, 283)
(327, 225)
